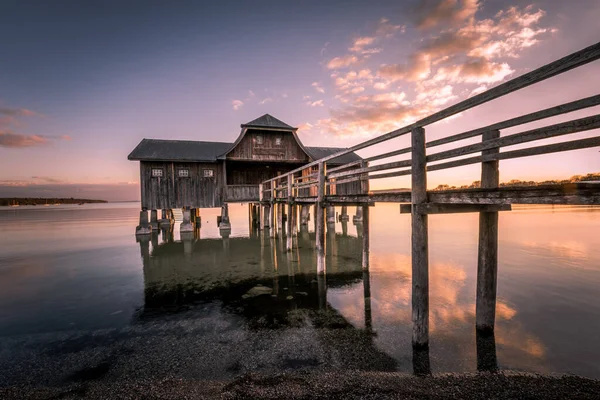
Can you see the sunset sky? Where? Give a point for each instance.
(82, 82)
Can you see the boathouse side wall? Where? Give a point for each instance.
(175, 188)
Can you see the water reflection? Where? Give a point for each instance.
(255, 278)
(71, 271)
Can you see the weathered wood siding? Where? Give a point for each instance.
(250, 149)
(173, 191)
(241, 193)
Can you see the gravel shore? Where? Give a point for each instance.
(349, 385)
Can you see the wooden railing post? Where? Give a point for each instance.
(487, 260)
(364, 179)
(365, 237)
(420, 252)
(320, 221)
(290, 218)
(272, 211)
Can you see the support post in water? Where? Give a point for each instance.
(279, 217)
(197, 218)
(330, 215)
(154, 219)
(320, 221)
(487, 259)
(143, 228)
(358, 218)
(344, 215)
(365, 238)
(225, 224)
(272, 211)
(304, 211)
(290, 214)
(186, 224)
(266, 213)
(420, 253)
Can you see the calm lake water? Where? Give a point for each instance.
(81, 299)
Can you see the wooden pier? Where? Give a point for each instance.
(315, 184)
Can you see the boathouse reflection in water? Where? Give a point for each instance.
(271, 288)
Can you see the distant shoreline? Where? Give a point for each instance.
(35, 201)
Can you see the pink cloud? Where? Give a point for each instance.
(343, 62)
(432, 13)
(16, 140)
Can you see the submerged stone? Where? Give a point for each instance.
(257, 291)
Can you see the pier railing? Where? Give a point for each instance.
(305, 180)
(318, 184)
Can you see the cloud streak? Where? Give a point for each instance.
(459, 55)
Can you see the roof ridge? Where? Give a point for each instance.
(186, 140)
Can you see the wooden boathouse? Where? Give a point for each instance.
(178, 174)
(298, 177)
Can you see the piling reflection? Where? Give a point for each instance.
(271, 288)
(486, 351)
(257, 278)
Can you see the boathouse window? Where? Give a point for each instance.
(277, 141)
(183, 173)
(157, 172)
(208, 173)
(259, 139)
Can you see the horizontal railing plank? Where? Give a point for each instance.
(546, 132)
(535, 116)
(380, 167)
(532, 151)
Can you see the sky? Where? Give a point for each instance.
(81, 83)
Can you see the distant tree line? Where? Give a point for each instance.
(594, 176)
(34, 201)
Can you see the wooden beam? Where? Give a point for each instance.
(571, 193)
(535, 116)
(487, 255)
(440, 208)
(420, 251)
(365, 238)
(380, 167)
(532, 151)
(564, 128)
(290, 219)
(320, 221)
(345, 166)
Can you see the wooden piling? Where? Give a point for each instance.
(304, 211)
(279, 216)
(365, 238)
(290, 204)
(344, 215)
(420, 256)
(487, 260)
(186, 224)
(143, 228)
(295, 220)
(272, 219)
(330, 215)
(358, 217)
(320, 221)
(154, 219)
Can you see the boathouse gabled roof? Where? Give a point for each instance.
(195, 151)
(268, 121)
(199, 151)
(178, 150)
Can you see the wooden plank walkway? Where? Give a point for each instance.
(315, 184)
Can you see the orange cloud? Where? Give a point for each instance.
(343, 62)
(16, 140)
(432, 13)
